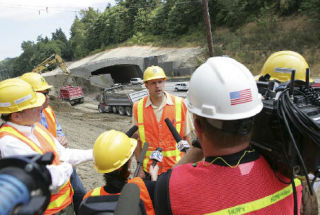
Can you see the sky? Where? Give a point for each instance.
(25, 20)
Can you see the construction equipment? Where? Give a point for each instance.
(290, 121)
(120, 99)
(72, 94)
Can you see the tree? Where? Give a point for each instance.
(77, 40)
(59, 35)
(183, 15)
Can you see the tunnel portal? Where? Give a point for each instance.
(120, 73)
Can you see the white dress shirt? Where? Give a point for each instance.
(60, 174)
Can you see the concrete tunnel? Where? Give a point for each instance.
(121, 73)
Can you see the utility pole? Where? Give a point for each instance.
(208, 24)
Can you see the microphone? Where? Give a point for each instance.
(182, 145)
(131, 131)
(173, 130)
(156, 156)
(128, 201)
(141, 158)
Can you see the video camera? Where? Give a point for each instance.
(24, 184)
(287, 130)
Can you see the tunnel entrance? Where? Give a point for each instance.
(120, 73)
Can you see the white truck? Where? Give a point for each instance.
(120, 99)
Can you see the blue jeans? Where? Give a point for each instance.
(78, 188)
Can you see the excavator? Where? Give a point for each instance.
(72, 94)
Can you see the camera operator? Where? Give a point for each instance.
(278, 69)
(21, 134)
(234, 178)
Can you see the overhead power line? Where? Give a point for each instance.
(42, 7)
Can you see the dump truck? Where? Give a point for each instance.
(120, 99)
(72, 94)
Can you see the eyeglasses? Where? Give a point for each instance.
(45, 92)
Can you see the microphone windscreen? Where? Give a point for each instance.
(129, 200)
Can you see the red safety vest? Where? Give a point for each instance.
(251, 188)
(51, 120)
(144, 194)
(63, 198)
(157, 134)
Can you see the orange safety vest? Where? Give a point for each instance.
(63, 198)
(250, 188)
(157, 134)
(144, 194)
(51, 120)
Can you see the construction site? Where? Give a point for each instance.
(82, 123)
(97, 93)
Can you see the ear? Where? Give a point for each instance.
(197, 126)
(199, 130)
(15, 117)
(146, 84)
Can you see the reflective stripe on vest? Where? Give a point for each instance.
(144, 195)
(98, 191)
(64, 197)
(60, 200)
(51, 120)
(258, 204)
(141, 127)
(43, 136)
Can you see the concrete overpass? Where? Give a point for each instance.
(124, 63)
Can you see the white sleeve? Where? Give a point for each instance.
(73, 156)
(60, 174)
(76, 156)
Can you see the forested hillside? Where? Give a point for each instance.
(248, 30)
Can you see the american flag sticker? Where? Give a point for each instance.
(240, 97)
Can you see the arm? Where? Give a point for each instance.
(11, 146)
(138, 149)
(73, 156)
(153, 171)
(60, 135)
(59, 129)
(193, 155)
(60, 174)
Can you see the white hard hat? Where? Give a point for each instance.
(223, 89)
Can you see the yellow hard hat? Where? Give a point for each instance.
(153, 72)
(36, 80)
(111, 150)
(17, 95)
(280, 64)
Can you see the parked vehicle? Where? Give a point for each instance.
(183, 86)
(136, 81)
(120, 99)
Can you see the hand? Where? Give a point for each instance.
(135, 135)
(62, 140)
(141, 173)
(153, 171)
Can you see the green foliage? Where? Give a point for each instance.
(311, 8)
(182, 16)
(77, 40)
